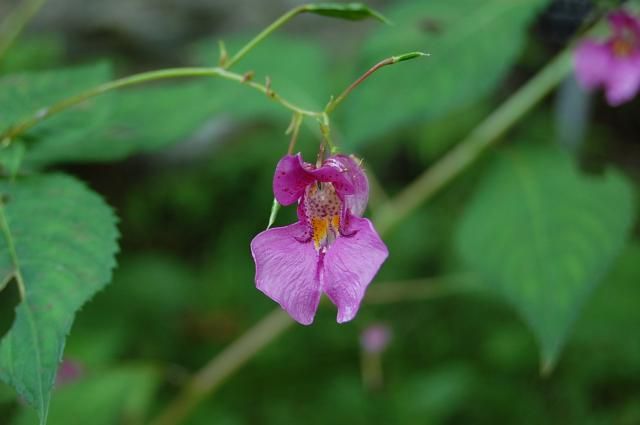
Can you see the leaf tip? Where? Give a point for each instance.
(380, 17)
(408, 56)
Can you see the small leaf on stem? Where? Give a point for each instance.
(408, 56)
(223, 55)
(350, 11)
(274, 213)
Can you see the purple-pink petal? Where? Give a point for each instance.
(623, 81)
(349, 266)
(287, 270)
(356, 201)
(621, 21)
(334, 171)
(592, 63)
(291, 179)
(346, 175)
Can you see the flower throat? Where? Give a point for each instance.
(323, 208)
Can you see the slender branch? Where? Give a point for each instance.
(333, 104)
(421, 289)
(209, 378)
(10, 134)
(395, 210)
(293, 130)
(16, 21)
(311, 7)
(471, 148)
(213, 374)
(264, 34)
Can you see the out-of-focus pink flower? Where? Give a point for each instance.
(375, 338)
(615, 63)
(69, 371)
(331, 248)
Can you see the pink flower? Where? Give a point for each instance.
(375, 338)
(330, 249)
(615, 63)
(69, 371)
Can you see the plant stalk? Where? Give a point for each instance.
(391, 213)
(213, 374)
(465, 153)
(46, 112)
(263, 34)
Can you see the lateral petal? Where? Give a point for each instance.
(623, 80)
(349, 266)
(287, 270)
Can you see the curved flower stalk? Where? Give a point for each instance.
(615, 63)
(331, 248)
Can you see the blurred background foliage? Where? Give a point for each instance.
(187, 166)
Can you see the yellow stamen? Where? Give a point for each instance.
(335, 222)
(320, 227)
(622, 47)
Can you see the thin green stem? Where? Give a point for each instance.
(213, 374)
(16, 21)
(209, 378)
(46, 112)
(264, 34)
(394, 211)
(421, 289)
(471, 148)
(333, 104)
(325, 131)
(294, 130)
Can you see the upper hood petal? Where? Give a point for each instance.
(291, 178)
(293, 175)
(356, 200)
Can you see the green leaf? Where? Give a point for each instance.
(142, 119)
(350, 11)
(145, 119)
(58, 241)
(604, 326)
(543, 235)
(27, 94)
(115, 396)
(472, 46)
(33, 53)
(408, 56)
(10, 159)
